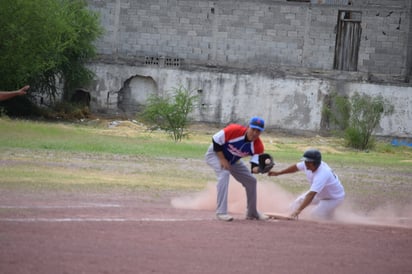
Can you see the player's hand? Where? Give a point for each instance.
(265, 163)
(273, 173)
(23, 90)
(295, 215)
(225, 164)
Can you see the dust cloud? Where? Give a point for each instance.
(385, 215)
(273, 198)
(270, 198)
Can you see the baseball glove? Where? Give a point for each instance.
(265, 163)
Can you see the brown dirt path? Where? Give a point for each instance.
(129, 233)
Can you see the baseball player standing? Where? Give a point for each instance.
(326, 191)
(228, 146)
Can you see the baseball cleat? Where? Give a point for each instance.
(260, 217)
(224, 217)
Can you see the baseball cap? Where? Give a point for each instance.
(258, 123)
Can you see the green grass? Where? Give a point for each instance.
(61, 156)
(75, 138)
(80, 138)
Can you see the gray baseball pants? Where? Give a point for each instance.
(241, 173)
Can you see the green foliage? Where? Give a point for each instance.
(85, 29)
(43, 42)
(366, 113)
(170, 113)
(357, 117)
(337, 110)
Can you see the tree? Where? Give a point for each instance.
(44, 42)
(170, 113)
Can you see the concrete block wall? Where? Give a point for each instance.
(384, 44)
(248, 34)
(321, 36)
(382, 3)
(409, 61)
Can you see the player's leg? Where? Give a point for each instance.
(298, 201)
(222, 191)
(222, 180)
(243, 175)
(325, 209)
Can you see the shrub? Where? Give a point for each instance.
(366, 113)
(357, 117)
(337, 112)
(170, 113)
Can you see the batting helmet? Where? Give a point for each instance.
(312, 155)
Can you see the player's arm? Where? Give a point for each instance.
(219, 152)
(255, 169)
(5, 95)
(308, 199)
(258, 149)
(291, 169)
(254, 164)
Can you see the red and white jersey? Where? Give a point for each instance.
(235, 145)
(323, 181)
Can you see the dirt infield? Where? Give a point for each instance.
(118, 232)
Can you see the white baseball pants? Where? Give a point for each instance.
(324, 209)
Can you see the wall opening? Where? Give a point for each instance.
(134, 94)
(162, 61)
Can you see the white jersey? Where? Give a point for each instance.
(324, 182)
